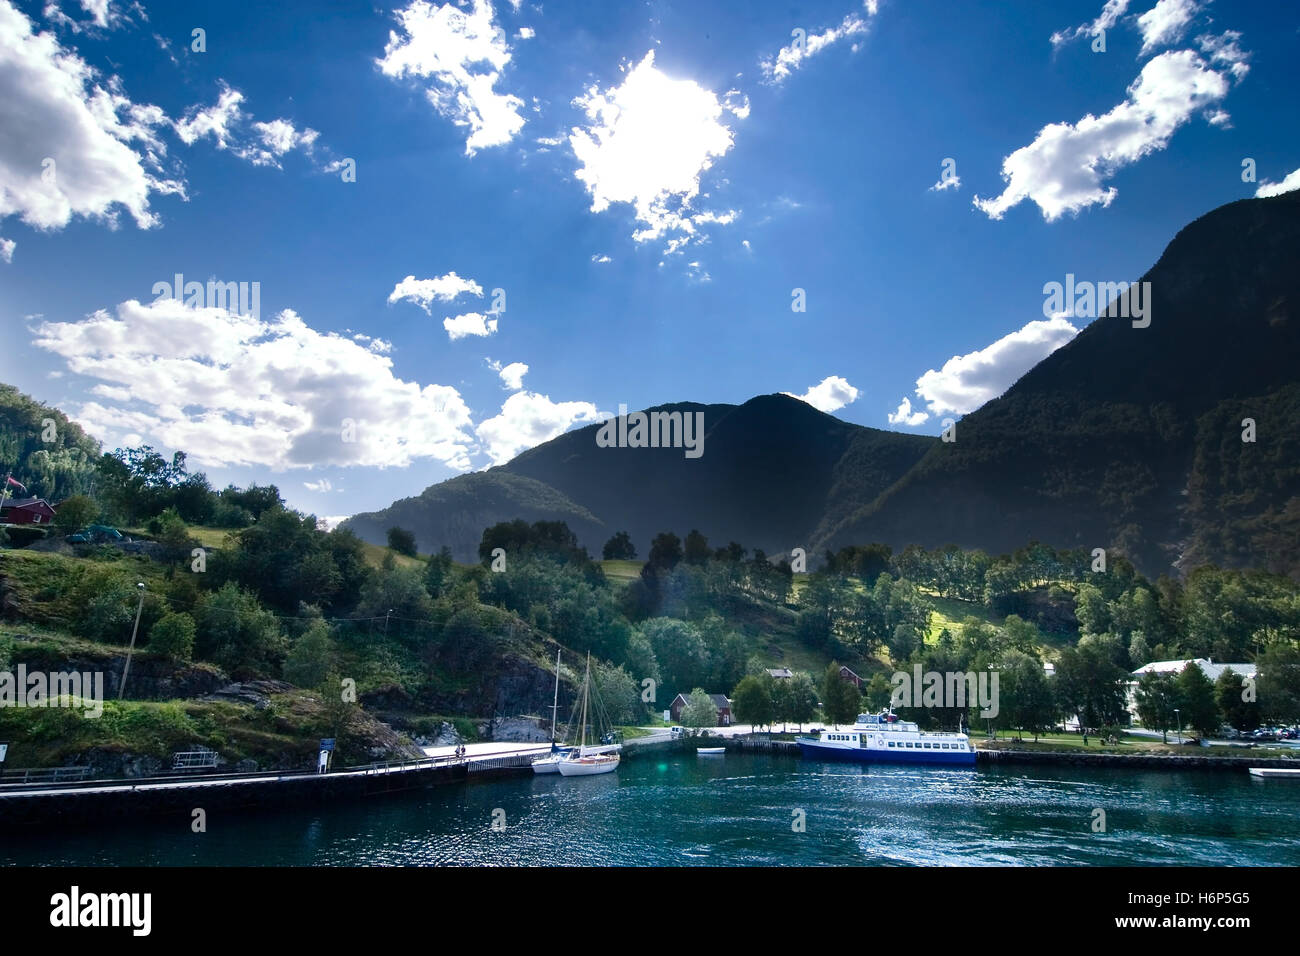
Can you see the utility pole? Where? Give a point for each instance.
(386, 617)
(121, 688)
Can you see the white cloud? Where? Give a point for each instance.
(789, 58)
(830, 394)
(650, 140)
(471, 323)
(904, 415)
(1164, 23)
(7, 247)
(601, 259)
(382, 346)
(215, 121)
(77, 146)
(443, 288)
(323, 485)
(968, 381)
(103, 15)
(330, 522)
(527, 419)
(952, 182)
(527, 33)
(234, 391)
(462, 55)
(1109, 16)
(1223, 48)
(513, 375)
(1266, 189)
(230, 127)
(1063, 168)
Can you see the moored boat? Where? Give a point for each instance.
(710, 751)
(883, 738)
(583, 760)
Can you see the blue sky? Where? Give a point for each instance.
(647, 183)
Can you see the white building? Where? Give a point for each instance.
(1207, 666)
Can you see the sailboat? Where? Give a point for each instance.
(585, 760)
(550, 763)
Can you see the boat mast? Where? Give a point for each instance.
(555, 707)
(585, 681)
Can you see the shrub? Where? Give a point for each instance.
(173, 636)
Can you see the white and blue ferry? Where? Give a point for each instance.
(883, 738)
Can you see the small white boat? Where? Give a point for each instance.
(576, 765)
(710, 751)
(1275, 772)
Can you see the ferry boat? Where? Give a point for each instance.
(883, 738)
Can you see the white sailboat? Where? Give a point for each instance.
(584, 760)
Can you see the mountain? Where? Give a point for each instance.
(1126, 438)
(1132, 437)
(455, 512)
(768, 472)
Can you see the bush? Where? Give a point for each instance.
(173, 636)
(402, 541)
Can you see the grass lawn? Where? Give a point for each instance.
(622, 572)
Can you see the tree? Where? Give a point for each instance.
(311, 658)
(878, 691)
(236, 632)
(699, 710)
(75, 513)
(665, 551)
(1090, 684)
(1279, 682)
(173, 636)
(800, 698)
(437, 575)
(1024, 695)
(841, 701)
(1197, 701)
(402, 541)
(752, 701)
(619, 548)
(175, 538)
(680, 651)
(1235, 701)
(1157, 697)
(696, 549)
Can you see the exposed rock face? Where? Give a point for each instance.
(255, 692)
(520, 729)
(152, 677)
(104, 762)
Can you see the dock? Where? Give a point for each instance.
(1286, 773)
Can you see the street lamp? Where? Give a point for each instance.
(1180, 725)
(989, 720)
(121, 688)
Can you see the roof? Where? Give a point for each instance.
(720, 700)
(1212, 670)
(845, 667)
(779, 672)
(22, 502)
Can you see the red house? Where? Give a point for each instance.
(852, 678)
(720, 701)
(26, 511)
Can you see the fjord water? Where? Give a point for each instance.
(739, 810)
